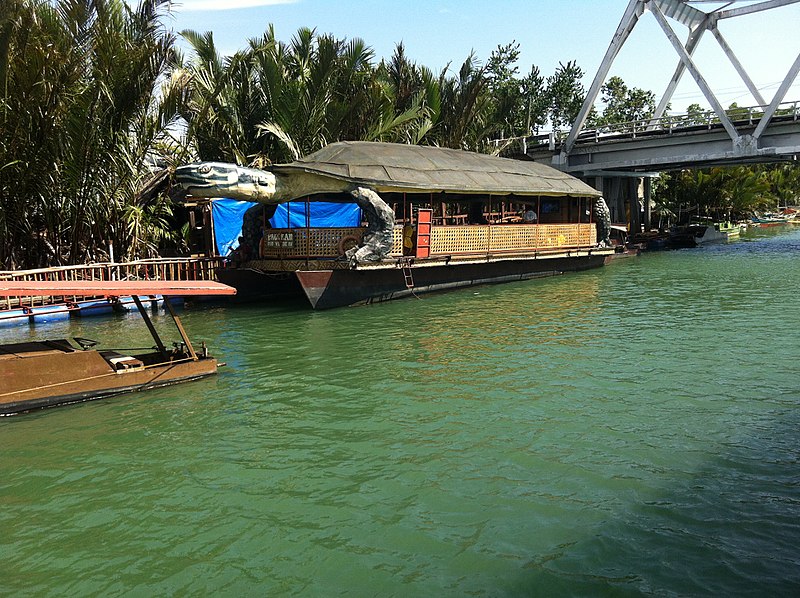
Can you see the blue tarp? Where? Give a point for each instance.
(322, 214)
(228, 215)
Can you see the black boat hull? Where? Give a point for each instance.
(327, 289)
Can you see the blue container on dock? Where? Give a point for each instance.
(94, 308)
(49, 313)
(13, 317)
(126, 303)
(176, 302)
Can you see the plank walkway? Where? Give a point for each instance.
(169, 269)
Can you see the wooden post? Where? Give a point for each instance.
(149, 324)
(182, 332)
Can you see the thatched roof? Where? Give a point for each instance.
(415, 168)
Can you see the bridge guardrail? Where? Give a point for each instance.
(669, 124)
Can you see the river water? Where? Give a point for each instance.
(627, 431)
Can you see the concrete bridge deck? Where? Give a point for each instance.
(631, 149)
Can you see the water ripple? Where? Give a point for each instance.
(626, 431)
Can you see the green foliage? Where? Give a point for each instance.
(696, 115)
(92, 92)
(79, 120)
(565, 94)
(736, 190)
(623, 104)
(519, 106)
(274, 102)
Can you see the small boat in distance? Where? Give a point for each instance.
(770, 219)
(38, 374)
(622, 244)
(732, 229)
(703, 230)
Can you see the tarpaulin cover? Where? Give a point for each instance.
(322, 214)
(228, 215)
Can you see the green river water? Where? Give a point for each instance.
(627, 431)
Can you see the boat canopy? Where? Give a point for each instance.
(416, 168)
(113, 288)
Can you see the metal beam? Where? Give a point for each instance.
(780, 141)
(627, 23)
(692, 68)
(737, 65)
(682, 12)
(753, 8)
(691, 45)
(779, 95)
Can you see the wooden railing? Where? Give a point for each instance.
(151, 269)
(330, 243)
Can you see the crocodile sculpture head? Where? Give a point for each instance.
(216, 179)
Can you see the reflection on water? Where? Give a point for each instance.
(630, 430)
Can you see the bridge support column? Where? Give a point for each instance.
(635, 223)
(648, 191)
(616, 201)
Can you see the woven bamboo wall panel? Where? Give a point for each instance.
(397, 241)
(282, 243)
(459, 239)
(517, 236)
(512, 237)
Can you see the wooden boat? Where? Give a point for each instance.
(702, 231)
(622, 244)
(54, 372)
(732, 229)
(770, 219)
(433, 219)
(652, 240)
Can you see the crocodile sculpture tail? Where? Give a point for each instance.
(603, 222)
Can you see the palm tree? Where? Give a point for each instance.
(80, 120)
(465, 108)
(275, 102)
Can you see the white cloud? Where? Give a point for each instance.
(204, 5)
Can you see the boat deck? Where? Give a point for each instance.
(34, 349)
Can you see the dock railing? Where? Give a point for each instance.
(191, 268)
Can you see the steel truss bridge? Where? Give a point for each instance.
(767, 132)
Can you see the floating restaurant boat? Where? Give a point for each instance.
(426, 219)
(53, 372)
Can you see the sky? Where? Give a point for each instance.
(441, 32)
